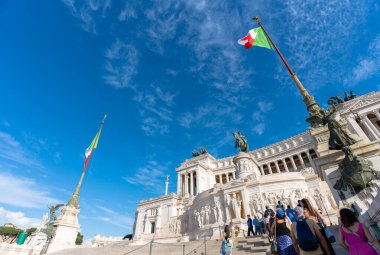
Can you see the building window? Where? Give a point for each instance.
(313, 154)
(153, 227)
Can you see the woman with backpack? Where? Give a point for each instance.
(281, 232)
(312, 214)
(354, 236)
(226, 248)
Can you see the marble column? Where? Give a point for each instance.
(301, 159)
(311, 160)
(233, 175)
(220, 179)
(293, 164)
(358, 129)
(377, 114)
(179, 184)
(137, 225)
(186, 184)
(277, 167)
(191, 184)
(262, 170)
(270, 169)
(372, 127)
(197, 184)
(285, 165)
(370, 133)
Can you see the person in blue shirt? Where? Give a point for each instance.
(290, 213)
(250, 225)
(280, 206)
(257, 225)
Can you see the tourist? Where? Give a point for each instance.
(313, 215)
(250, 225)
(257, 225)
(269, 225)
(281, 231)
(290, 214)
(280, 206)
(227, 243)
(299, 203)
(306, 235)
(268, 211)
(354, 236)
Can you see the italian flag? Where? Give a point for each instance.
(255, 37)
(93, 145)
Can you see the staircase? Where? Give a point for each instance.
(250, 245)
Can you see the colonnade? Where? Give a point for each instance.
(369, 123)
(290, 163)
(187, 184)
(224, 177)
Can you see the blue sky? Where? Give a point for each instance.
(171, 77)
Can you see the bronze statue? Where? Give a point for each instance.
(338, 100)
(338, 136)
(195, 153)
(352, 95)
(241, 142)
(203, 150)
(355, 171)
(53, 209)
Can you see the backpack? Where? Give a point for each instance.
(305, 237)
(229, 242)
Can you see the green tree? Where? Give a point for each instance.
(129, 237)
(31, 231)
(9, 233)
(79, 239)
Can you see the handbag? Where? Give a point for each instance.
(330, 236)
(273, 245)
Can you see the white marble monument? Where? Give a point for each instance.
(212, 192)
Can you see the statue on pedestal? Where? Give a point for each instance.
(241, 142)
(355, 170)
(338, 136)
(236, 206)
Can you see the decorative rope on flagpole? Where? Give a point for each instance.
(74, 199)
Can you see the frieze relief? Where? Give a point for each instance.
(259, 201)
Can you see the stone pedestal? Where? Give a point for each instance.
(246, 167)
(67, 229)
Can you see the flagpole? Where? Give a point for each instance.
(74, 199)
(311, 104)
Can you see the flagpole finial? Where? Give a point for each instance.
(257, 19)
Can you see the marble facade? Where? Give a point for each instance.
(212, 192)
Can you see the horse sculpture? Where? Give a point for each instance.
(241, 141)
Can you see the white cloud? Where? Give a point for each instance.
(127, 12)
(151, 176)
(13, 151)
(121, 65)
(88, 12)
(259, 128)
(367, 66)
(115, 218)
(316, 37)
(17, 218)
(265, 106)
(23, 192)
